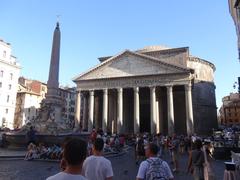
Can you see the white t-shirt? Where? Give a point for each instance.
(144, 166)
(66, 176)
(97, 168)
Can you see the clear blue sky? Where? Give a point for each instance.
(94, 28)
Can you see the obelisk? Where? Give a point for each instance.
(53, 101)
(49, 119)
(53, 78)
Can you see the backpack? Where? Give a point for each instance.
(156, 170)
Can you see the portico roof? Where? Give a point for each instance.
(128, 64)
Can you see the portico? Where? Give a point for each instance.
(132, 93)
(128, 113)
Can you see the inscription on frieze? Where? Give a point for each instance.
(131, 82)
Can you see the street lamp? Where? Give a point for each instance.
(237, 85)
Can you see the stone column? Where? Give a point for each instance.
(85, 113)
(105, 110)
(153, 109)
(136, 110)
(189, 109)
(170, 110)
(157, 117)
(77, 110)
(120, 111)
(91, 110)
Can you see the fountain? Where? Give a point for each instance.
(49, 124)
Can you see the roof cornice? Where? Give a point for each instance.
(135, 76)
(10, 64)
(197, 59)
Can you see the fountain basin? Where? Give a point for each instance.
(15, 140)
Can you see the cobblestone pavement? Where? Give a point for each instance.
(11, 152)
(124, 169)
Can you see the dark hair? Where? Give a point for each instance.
(198, 144)
(65, 141)
(75, 151)
(153, 148)
(98, 144)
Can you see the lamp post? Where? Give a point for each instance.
(237, 85)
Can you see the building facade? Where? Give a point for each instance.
(230, 110)
(9, 74)
(155, 89)
(69, 96)
(234, 8)
(30, 95)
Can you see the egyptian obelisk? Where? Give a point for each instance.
(53, 78)
(49, 119)
(53, 101)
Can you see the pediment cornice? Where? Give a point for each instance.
(135, 54)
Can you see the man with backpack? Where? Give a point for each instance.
(153, 168)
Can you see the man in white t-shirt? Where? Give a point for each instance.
(74, 153)
(153, 167)
(96, 167)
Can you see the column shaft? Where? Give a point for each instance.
(153, 109)
(136, 110)
(91, 111)
(170, 110)
(120, 111)
(189, 109)
(157, 118)
(105, 110)
(85, 113)
(77, 109)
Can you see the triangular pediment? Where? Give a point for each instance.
(128, 64)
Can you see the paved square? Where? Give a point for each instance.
(124, 168)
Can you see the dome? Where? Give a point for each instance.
(153, 48)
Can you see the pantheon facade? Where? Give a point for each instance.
(154, 89)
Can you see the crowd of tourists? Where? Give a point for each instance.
(113, 144)
(199, 151)
(85, 159)
(75, 164)
(226, 137)
(41, 151)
